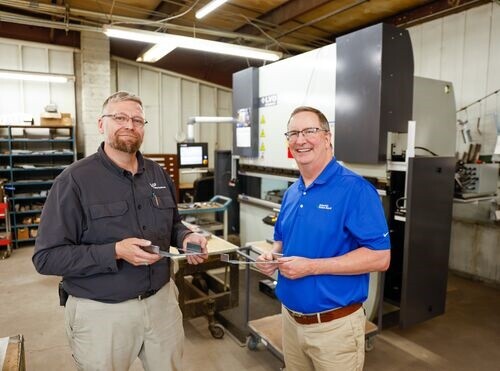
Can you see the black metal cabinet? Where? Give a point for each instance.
(31, 157)
(416, 280)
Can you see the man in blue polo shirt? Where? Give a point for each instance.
(332, 232)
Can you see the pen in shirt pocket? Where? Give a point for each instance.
(155, 198)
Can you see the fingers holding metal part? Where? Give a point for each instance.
(294, 267)
(195, 247)
(263, 263)
(132, 251)
(197, 257)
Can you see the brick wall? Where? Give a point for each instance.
(95, 87)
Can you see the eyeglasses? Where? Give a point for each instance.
(122, 119)
(293, 135)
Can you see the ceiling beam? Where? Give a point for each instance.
(285, 12)
(335, 12)
(432, 10)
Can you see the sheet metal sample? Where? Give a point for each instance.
(154, 249)
(225, 258)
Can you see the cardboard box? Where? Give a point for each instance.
(23, 234)
(64, 120)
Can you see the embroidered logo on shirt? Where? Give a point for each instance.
(385, 234)
(154, 186)
(324, 207)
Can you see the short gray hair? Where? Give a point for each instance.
(121, 96)
(321, 117)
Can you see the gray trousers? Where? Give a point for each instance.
(109, 337)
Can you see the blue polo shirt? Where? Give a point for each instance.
(339, 212)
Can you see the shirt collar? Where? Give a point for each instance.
(329, 171)
(113, 167)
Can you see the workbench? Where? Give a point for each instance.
(201, 293)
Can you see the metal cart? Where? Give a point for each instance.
(217, 204)
(201, 293)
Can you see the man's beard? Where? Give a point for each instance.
(126, 146)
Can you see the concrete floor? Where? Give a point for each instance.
(467, 337)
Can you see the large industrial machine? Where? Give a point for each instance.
(393, 128)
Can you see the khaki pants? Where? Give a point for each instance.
(335, 345)
(109, 337)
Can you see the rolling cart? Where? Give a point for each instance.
(201, 291)
(217, 204)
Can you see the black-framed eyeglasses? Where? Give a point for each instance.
(123, 118)
(293, 135)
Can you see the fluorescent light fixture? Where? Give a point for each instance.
(156, 52)
(134, 35)
(192, 43)
(34, 76)
(210, 7)
(210, 119)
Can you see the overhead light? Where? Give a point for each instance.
(134, 35)
(34, 76)
(192, 43)
(156, 52)
(210, 7)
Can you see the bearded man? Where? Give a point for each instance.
(100, 215)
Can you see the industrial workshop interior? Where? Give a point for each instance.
(410, 90)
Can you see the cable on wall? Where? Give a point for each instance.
(478, 101)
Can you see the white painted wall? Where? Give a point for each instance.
(27, 99)
(464, 48)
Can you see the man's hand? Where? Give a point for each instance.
(294, 267)
(130, 250)
(267, 269)
(198, 240)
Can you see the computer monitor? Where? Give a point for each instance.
(191, 155)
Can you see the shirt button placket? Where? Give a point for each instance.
(303, 194)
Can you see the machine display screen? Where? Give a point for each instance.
(192, 155)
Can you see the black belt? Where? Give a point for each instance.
(146, 294)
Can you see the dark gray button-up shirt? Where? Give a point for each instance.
(92, 205)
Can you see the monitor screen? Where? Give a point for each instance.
(192, 155)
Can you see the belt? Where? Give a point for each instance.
(146, 294)
(309, 319)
